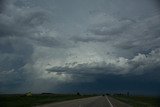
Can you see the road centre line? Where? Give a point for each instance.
(109, 101)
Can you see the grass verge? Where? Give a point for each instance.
(140, 101)
(37, 99)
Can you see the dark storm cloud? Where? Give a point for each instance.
(21, 29)
(157, 2)
(15, 48)
(107, 30)
(27, 24)
(89, 39)
(15, 54)
(111, 28)
(20, 24)
(75, 42)
(2, 5)
(99, 35)
(142, 38)
(47, 41)
(142, 84)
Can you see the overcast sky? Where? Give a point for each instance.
(80, 45)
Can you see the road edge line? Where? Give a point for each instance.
(109, 101)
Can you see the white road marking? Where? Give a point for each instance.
(109, 101)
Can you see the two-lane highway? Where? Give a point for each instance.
(100, 101)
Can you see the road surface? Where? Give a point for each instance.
(100, 101)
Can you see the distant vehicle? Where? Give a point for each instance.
(29, 94)
(103, 95)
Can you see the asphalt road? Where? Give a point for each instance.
(100, 101)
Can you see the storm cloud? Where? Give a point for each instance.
(59, 44)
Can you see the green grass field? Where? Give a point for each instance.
(140, 101)
(37, 99)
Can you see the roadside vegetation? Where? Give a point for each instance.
(27, 100)
(139, 101)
